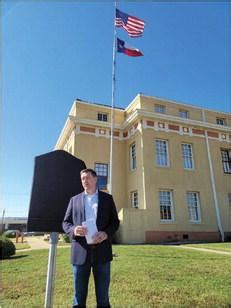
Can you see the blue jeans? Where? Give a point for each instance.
(101, 273)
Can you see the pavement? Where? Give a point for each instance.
(36, 242)
(204, 249)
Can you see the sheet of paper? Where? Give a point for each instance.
(90, 224)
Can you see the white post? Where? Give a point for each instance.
(51, 270)
(219, 223)
(3, 214)
(112, 105)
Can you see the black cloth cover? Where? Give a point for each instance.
(56, 179)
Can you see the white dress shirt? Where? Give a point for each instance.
(91, 205)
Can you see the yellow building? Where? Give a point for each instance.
(171, 171)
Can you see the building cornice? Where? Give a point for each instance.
(66, 131)
(179, 103)
(99, 105)
(160, 116)
(95, 123)
(140, 113)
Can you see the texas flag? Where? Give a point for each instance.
(127, 50)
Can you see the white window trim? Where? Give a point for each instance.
(223, 120)
(131, 168)
(181, 111)
(158, 108)
(198, 207)
(171, 207)
(167, 149)
(132, 199)
(105, 164)
(193, 164)
(103, 114)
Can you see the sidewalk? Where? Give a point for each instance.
(37, 242)
(204, 249)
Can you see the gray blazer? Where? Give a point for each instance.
(107, 221)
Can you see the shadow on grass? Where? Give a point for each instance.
(15, 257)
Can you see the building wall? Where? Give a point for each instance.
(89, 140)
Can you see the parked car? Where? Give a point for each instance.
(11, 233)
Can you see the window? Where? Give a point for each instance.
(132, 156)
(166, 206)
(193, 206)
(102, 175)
(229, 198)
(187, 155)
(160, 108)
(134, 199)
(226, 160)
(221, 121)
(102, 117)
(184, 114)
(162, 153)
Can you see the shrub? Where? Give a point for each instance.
(7, 248)
(66, 238)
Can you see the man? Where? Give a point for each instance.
(97, 206)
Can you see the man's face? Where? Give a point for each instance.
(88, 182)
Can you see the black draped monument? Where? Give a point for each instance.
(56, 179)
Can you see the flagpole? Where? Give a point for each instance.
(112, 104)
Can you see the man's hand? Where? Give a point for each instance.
(80, 231)
(99, 237)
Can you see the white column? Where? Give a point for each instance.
(212, 178)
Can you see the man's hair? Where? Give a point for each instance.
(89, 170)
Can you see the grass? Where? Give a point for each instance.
(142, 276)
(214, 246)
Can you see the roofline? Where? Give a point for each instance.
(186, 105)
(97, 104)
(180, 103)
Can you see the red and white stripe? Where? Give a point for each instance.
(134, 26)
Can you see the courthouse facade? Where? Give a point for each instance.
(171, 172)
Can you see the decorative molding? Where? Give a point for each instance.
(147, 124)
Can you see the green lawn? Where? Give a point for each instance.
(142, 276)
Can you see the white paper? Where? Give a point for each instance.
(90, 224)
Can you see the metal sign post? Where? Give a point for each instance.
(51, 270)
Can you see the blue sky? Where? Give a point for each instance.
(54, 52)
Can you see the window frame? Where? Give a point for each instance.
(229, 199)
(132, 158)
(160, 108)
(103, 115)
(187, 158)
(171, 206)
(193, 210)
(221, 120)
(183, 112)
(134, 199)
(100, 176)
(226, 162)
(157, 155)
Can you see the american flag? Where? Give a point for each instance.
(133, 25)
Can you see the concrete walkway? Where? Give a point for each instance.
(204, 249)
(37, 242)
